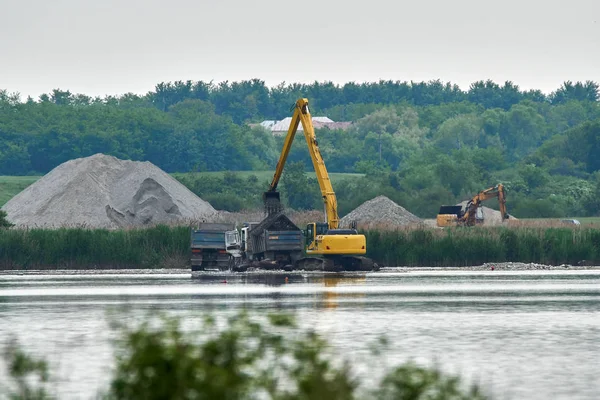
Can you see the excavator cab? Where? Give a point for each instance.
(313, 230)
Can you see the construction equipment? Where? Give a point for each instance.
(276, 239)
(331, 247)
(215, 246)
(472, 214)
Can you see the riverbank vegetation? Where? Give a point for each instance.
(422, 144)
(168, 247)
(247, 359)
(475, 246)
(81, 248)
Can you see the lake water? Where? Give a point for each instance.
(520, 334)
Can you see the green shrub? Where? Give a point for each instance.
(244, 360)
(4, 223)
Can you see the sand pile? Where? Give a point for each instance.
(104, 192)
(380, 210)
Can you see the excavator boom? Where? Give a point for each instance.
(494, 192)
(333, 247)
(271, 197)
(452, 215)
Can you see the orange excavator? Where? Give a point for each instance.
(457, 216)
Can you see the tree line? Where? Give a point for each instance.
(420, 143)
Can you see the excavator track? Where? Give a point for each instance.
(337, 264)
(357, 263)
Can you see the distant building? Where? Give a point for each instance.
(268, 124)
(279, 128)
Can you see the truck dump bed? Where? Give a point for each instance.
(208, 246)
(275, 238)
(208, 240)
(210, 236)
(278, 241)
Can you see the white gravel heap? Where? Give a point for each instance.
(380, 210)
(104, 192)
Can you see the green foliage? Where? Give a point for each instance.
(67, 248)
(228, 191)
(477, 245)
(12, 185)
(244, 360)
(301, 192)
(413, 382)
(4, 223)
(164, 247)
(434, 140)
(28, 375)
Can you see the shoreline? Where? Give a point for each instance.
(490, 267)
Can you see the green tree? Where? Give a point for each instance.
(301, 192)
(522, 130)
(458, 132)
(4, 223)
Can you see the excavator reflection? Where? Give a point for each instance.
(331, 297)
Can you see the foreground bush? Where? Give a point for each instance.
(245, 360)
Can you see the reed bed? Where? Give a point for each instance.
(478, 245)
(168, 247)
(81, 248)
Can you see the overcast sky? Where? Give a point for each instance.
(100, 47)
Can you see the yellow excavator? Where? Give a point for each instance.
(456, 216)
(333, 247)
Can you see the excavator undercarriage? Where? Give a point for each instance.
(336, 264)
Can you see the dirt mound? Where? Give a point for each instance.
(380, 211)
(104, 192)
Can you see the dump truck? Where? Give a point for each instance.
(215, 246)
(276, 239)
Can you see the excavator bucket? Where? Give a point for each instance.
(272, 202)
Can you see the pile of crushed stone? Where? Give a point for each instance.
(380, 211)
(104, 192)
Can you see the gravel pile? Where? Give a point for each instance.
(380, 211)
(104, 192)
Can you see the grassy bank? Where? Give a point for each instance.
(475, 246)
(12, 185)
(168, 247)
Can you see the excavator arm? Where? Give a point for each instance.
(497, 191)
(271, 197)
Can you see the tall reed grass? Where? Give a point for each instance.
(168, 246)
(73, 248)
(478, 245)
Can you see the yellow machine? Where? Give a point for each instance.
(341, 247)
(456, 216)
